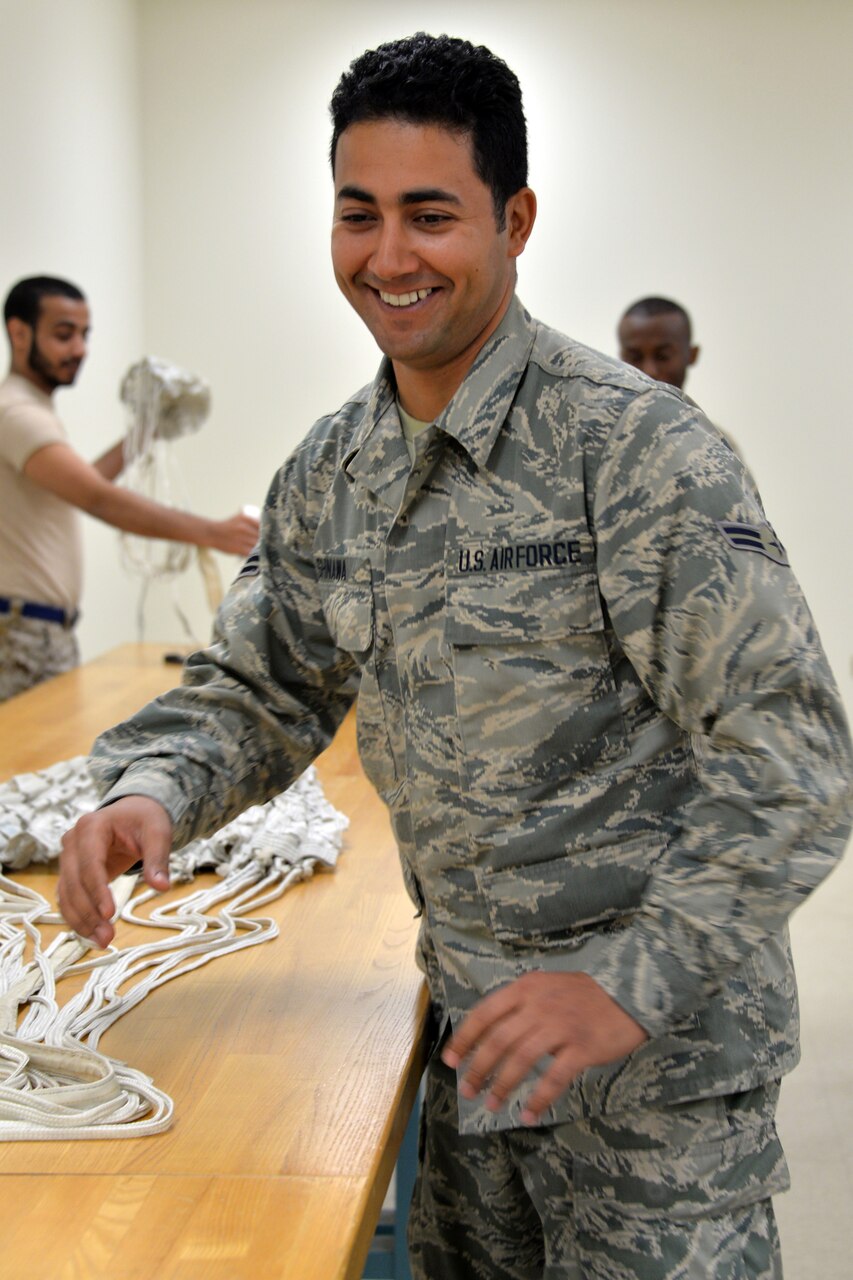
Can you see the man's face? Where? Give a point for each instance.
(57, 345)
(658, 345)
(416, 248)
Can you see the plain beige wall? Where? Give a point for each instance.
(71, 205)
(171, 154)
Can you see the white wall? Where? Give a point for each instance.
(698, 149)
(70, 205)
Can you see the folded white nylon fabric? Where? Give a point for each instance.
(53, 1081)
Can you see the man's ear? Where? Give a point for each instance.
(20, 335)
(694, 355)
(520, 217)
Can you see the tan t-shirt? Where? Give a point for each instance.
(412, 428)
(41, 543)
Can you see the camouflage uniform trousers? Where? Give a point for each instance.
(681, 1193)
(31, 650)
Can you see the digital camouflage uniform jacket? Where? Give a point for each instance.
(589, 691)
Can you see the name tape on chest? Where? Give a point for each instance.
(331, 569)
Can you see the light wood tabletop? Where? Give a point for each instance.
(293, 1065)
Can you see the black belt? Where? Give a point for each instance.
(43, 612)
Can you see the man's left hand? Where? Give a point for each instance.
(566, 1015)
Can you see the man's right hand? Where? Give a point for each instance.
(100, 847)
(236, 536)
(64, 473)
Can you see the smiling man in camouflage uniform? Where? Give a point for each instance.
(589, 691)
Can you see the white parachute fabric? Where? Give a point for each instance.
(165, 403)
(54, 1083)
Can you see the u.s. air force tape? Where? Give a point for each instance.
(754, 537)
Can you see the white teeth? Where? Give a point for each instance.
(404, 299)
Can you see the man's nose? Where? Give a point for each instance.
(393, 256)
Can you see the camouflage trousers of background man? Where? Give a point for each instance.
(31, 651)
(678, 1194)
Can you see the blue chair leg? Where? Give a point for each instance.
(389, 1257)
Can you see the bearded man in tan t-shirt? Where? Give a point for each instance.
(45, 484)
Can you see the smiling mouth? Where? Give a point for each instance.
(404, 299)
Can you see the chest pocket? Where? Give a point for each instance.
(346, 586)
(535, 693)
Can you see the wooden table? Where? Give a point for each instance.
(293, 1065)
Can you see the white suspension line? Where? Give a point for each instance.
(54, 1083)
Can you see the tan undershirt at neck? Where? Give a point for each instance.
(412, 427)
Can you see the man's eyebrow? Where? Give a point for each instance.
(355, 193)
(428, 195)
(422, 195)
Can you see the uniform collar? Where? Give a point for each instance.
(378, 456)
(480, 407)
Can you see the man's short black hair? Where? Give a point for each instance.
(647, 307)
(23, 301)
(446, 81)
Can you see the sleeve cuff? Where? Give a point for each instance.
(142, 779)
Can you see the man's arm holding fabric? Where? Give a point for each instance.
(254, 709)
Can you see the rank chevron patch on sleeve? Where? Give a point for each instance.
(754, 537)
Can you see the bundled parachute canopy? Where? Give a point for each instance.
(166, 402)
